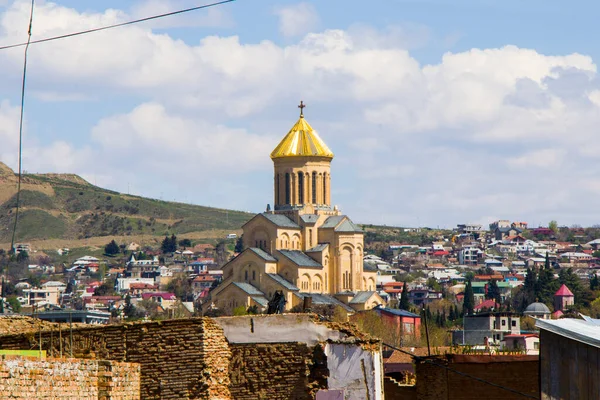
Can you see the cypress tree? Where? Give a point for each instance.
(404, 304)
(469, 300)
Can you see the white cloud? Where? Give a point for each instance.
(297, 19)
(470, 136)
(545, 158)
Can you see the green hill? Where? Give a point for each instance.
(65, 206)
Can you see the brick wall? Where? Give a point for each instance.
(179, 359)
(520, 373)
(192, 359)
(62, 379)
(276, 371)
(393, 390)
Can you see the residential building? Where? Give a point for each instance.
(304, 246)
(423, 296)
(165, 300)
(529, 343)
(42, 296)
(487, 328)
(470, 255)
(403, 322)
(502, 233)
(503, 223)
(480, 290)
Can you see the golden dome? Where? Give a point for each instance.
(301, 141)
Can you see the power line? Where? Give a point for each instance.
(432, 362)
(103, 28)
(14, 232)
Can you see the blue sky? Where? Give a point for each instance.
(439, 112)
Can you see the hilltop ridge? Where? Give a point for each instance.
(66, 206)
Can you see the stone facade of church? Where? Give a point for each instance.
(304, 246)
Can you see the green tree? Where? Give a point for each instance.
(404, 303)
(22, 256)
(129, 309)
(469, 299)
(493, 291)
(169, 244)
(111, 248)
(553, 225)
(594, 283)
(185, 243)
(434, 284)
(547, 285)
(239, 244)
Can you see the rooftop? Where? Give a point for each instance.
(301, 141)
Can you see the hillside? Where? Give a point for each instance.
(65, 206)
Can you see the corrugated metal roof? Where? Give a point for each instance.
(576, 329)
(281, 220)
(248, 288)
(300, 259)
(332, 221)
(281, 280)
(263, 254)
(318, 248)
(362, 297)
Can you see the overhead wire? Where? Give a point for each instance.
(432, 362)
(20, 154)
(68, 35)
(103, 28)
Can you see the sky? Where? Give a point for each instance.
(439, 112)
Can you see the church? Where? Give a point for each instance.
(304, 246)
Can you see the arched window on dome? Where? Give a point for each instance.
(288, 188)
(314, 188)
(300, 188)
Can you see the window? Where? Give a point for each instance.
(514, 323)
(300, 188)
(287, 188)
(277, 189)
(246, 275)
(314, 188)
(310, 238)
(253, 275)
(503, 322)
(324, 188)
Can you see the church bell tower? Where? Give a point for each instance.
(302, 163)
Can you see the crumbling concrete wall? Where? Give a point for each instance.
(356, 370)
(62, 379)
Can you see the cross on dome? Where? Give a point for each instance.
(301, 107)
